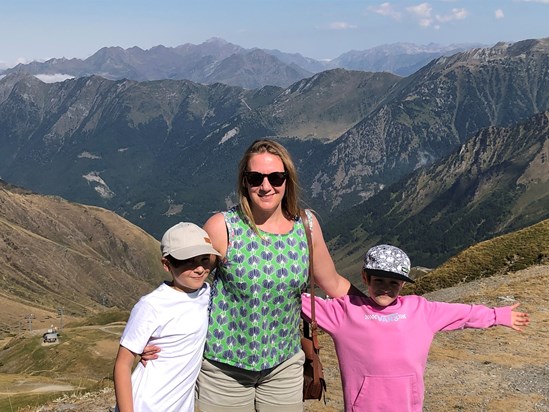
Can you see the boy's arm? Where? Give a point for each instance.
(451, 316)
(122, 379)
(518, 319)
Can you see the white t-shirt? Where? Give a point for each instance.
(176, 322)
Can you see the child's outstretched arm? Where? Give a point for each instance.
(444, 316)
(518, 319)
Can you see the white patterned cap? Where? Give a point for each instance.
(389, 262)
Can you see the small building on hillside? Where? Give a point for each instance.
(51, 335)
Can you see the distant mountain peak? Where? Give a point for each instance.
(196, 62)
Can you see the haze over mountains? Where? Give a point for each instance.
(158, 152)
(217, 61)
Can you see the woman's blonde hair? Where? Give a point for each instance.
(290, 201)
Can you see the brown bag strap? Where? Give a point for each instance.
(307, 224)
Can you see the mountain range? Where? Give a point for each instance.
(218, 61)
(157, 152)
(447, 157)
(496, 182)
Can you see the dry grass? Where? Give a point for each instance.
(35, 374)
(57, 254)
(494, 370)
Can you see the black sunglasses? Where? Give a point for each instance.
(275, 178)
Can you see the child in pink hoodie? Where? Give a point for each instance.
(382, 341)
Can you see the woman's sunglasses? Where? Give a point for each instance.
(255, 179)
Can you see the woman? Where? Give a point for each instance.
(253, 359)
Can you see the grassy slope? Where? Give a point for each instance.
(83, 359)
(511, 252)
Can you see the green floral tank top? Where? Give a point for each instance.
(255, 302)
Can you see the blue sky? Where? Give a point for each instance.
(321, 29)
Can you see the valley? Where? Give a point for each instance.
(451, 163)
(143, 149)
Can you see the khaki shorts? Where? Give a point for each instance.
(224, 388)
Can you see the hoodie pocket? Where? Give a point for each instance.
(387, 394)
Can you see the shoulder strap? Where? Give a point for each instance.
(308, 223)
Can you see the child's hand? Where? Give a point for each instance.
(518, 319)
(149, 353)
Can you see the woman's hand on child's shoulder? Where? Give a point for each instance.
(519, 319)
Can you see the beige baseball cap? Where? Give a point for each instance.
(186, 240)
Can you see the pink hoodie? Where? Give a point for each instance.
(382, 351)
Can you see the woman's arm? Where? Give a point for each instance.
(324, 270)
(122, 379)
(216, 228)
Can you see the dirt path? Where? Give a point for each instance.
(53, 388)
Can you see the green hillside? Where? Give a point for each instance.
(503, 254)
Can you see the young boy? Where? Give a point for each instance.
(382, 341)
(173, 317)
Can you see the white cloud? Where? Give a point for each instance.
(6, 65)
(386, 9)
(422, 10)
(21, 60)
(457, 14)
(460, 14)
(423, 13)
(341, 25)
(499, 14)
(54, 78)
